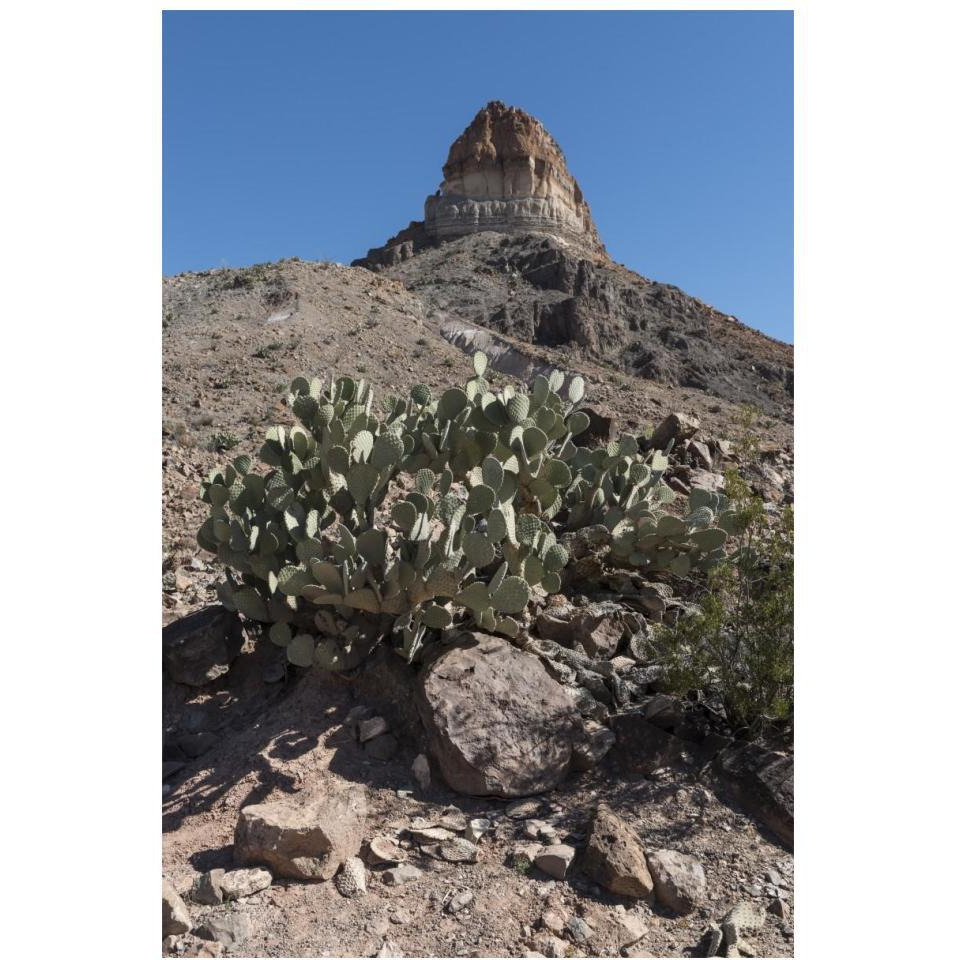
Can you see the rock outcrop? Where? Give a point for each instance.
(504, 173)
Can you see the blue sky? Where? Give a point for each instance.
(319, 134)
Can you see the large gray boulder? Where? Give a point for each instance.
(200, 647)
(497, 724)
(305, 838)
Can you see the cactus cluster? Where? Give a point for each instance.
(478, 482)
(645, 536)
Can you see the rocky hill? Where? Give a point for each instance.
(359, 814)
(508, 243)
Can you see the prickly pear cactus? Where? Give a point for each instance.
(314, 548)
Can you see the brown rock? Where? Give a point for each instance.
(496, 723)
(305, 839)
(614, 856)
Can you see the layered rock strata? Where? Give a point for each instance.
(504, 173)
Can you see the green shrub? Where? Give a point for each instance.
(446, 509)
(223, 441)
(740, 648)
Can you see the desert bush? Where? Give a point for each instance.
(739, 648)
(440, 513)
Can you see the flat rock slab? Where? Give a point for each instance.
(496, 723)
(306, 838)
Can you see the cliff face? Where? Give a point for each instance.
(504, 173)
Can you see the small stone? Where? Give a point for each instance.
(453, 819)
(384, 850)
(230, 929)
(551, 946)
(383, 748)
(780, 908)
(176, 916)
(170, 767)
(632, 928)
(401, 916)
(679, 880)
(208, 889)
(236, 884)
(430, 834)
(397, 876)
(191, 946)
(477, 828)
(351, 881)
(540, 830)
(374, 727)
(579, 929)
(523, 809)
(555, 860)
(459, 901)
(596, 743)
(389, 949)
(421, 771)
(622, 664)
(356, 714)
(459, 850)
(553, 921)
(523, 854)
(197, 744)
(699, 454)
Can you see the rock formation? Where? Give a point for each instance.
(503, 173)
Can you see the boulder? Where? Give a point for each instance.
(306, 838)
(676, 427)
(176, 916)
(614, 856)
(200, 647)
(597, 627)
(678, 879)
(496, 723)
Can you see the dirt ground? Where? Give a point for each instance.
(233, 340)
(299, 741)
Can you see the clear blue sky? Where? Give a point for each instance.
(319, 134)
